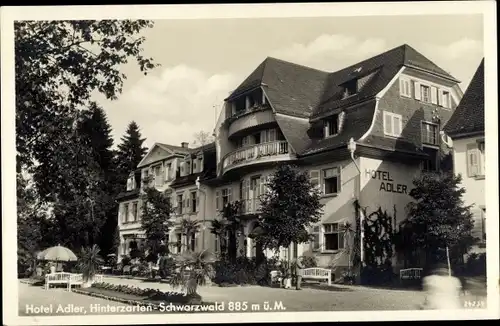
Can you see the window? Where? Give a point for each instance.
(125, 212)
(180, 203)
(194, 201)
(425, 93)
(131, 183)
(157, 173)
(179, 242)
(134, 211)
(332, 126)
(222, 198)
(334, 237)
(168, 171)
(192, 242)
(256, 138)
(475, 160)
(392, 124)
(331, 181)
(445, 99)
(314, 178)
(187, 168)
(404, 87)
(429, 133)
(350, 88)
(216, 244)
(431, 164)
(268, 135)
(316, 245)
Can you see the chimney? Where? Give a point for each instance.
(184, 145)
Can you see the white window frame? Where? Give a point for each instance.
(445, 94)
(393, 117)
(428, 88)
(316, 243)
(475, 160)
(219, 197)
(328, 123)
(337, 174)
(158, 176)
(131, 183)
(193, 197)
(180, 204)
(425, 132)
(338, 230)
(315, 178)
(135, 212)
(405, 87)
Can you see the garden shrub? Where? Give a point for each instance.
(308, 261)
(243, 271)
(475, 265)
(150, 294)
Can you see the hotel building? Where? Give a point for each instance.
(389, 108)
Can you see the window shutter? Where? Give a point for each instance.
(197, 202)
(314, 178)
(434, 95)
(217, 200)
(229, 197)
(401, 87)
(262, 185)
(397, 125)
(472, 160)
(387, 123)
(339, 179)
(188, 202)
(417, 90)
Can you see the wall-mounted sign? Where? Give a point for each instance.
(387, 183)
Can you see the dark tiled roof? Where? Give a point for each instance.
(357, 121)
(378, 70)
(128, 195)
(298, 91)
(292, 89)
(176, 149)
(469, 114)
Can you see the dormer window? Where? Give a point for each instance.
(331, 126)
(350, 88)
(130, 183)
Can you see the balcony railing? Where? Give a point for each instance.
(254, 152)
(250, 206)
(257, 107)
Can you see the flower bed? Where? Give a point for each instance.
(135, 295)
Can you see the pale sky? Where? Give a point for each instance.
(203, 60)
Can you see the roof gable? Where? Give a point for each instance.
(158, 152)
(469, 114)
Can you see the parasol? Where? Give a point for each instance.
(57, 253)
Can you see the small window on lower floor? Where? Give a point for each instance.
(431, 163)
(334, 237)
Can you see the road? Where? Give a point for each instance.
(233, 299)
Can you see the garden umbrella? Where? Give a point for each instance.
(57, 253)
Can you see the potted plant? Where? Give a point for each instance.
(89, 264)
(195, 268)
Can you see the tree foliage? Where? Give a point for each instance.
(59, 66)
(289, 207)
(227, 229)
(438, 217)
(130, 151)
(156, 210)
(202, 138)
(63, 137)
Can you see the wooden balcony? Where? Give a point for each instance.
(255, 154)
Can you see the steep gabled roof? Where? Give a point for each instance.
(469, 115)
(291, 88)
(300, 96)
(375, 73)
(179, 150)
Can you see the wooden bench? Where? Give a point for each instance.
(56, 278)
(410, 274)
(69, 279)
(316, 273)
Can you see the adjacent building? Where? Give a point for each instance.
(362, 134)
(466, 129)
(175, 171)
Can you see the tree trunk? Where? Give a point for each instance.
(448, 260)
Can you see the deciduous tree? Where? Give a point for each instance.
(289, 207)
(438, 218)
